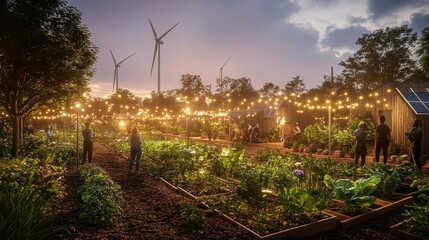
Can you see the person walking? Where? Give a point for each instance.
(136, 149)
(382, 139)
(360, 151)
(415, 137)
(88, 136)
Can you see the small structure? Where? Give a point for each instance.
(270, 115)
(401, 103)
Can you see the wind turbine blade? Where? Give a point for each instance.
(226, 61)
(154, 55)
(153, 29)
(163, 35)
(114, 60)
(126, 58)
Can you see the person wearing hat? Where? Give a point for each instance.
(360, 151)
(136, 149)
(88, 136)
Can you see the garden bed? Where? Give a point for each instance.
(397, 231)
(207, 190)
(381, 207)
(263, 220)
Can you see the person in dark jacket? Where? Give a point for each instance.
(415, 137)
(360, 151)
(88, 136)
(382, 139)
(136, 149)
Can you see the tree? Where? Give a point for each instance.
(46, 57)
(242, 90)
(294, 87)
(269, 90)
(423, 52)
(384, 56)
(159, 102)
(125, 102)
(193, 89)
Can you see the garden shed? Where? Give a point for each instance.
(260, 113)
(401, 103)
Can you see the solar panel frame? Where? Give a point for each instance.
(416, 98)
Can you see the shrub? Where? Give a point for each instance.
(193, 215)
(40, 175)
(23, 215)
(101, 200)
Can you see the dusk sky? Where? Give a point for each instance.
(269, 40)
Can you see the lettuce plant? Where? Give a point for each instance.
(355, 195)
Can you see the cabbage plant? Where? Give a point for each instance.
(355, 195)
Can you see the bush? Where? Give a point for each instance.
(42, 176)
(23, 215)
(193, 215)
(101, 200)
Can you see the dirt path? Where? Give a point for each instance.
(150, 209)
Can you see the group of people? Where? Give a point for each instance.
(135, 146)
(383, 138)
(250, 133)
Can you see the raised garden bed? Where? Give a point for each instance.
(381, 207)
(262, 221)
(195, 195)
(397, 231)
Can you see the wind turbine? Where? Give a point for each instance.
(221, 72)
(158, 42)
(115, 74)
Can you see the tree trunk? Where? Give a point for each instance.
(16, 120)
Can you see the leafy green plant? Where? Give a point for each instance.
(42, 176)
(417, 218)
(390, 179)
(252, 181)
(101, 200)
(193, 215)
(23, 215)
(355, 195)
(422, 184)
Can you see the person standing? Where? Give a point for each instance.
(88, 136)
(295, 132)
(256, 130)
(415, 137)
(360, 151)
(382, 139)
(136, 149)
(249, 133)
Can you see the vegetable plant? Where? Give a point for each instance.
(101, 200)
(355, 195)
(417, 218)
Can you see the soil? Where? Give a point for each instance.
(151, 210)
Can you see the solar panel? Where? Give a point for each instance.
(419, 107)
(410, 96)
(417, 98)
(424, 96)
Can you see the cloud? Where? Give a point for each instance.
(342, 41)
(419, 22)
(337, 18)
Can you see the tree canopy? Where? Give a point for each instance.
(385, 55)
(46, 56)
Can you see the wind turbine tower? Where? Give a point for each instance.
(158, 42)
(221, 72)
(115, 74)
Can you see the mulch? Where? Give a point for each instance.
(151, 210)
